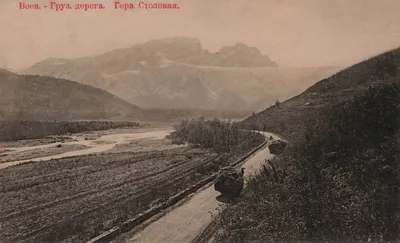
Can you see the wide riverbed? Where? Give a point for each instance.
(96, 144)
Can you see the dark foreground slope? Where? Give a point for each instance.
(27, 97)
(289, 117)
(340, 176)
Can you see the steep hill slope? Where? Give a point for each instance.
(27, 97)
(179, 73)
(289, 117)
(339, 178)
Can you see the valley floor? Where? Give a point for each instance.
(77, 197)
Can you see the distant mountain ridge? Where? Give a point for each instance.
(190, 51)
(182, 50)
(177, 73)
(28, 97)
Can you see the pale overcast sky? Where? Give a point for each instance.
(291, 32)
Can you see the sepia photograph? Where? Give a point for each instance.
(199, 121)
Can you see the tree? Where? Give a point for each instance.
(277, 103)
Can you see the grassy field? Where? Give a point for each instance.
(7, 156)
(36, 142)
(77, 198)
(18, 130)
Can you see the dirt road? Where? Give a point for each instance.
(187, 221)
